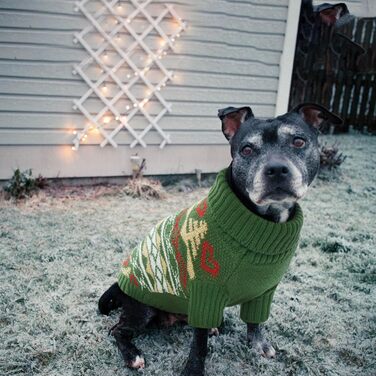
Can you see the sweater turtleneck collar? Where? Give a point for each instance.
(247, 228)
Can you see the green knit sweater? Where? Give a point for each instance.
(212, 255)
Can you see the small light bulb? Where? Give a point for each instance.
(127, 107)
(74, 132)
(128, 75)
(74, 148)
(135, 105)
(117, 118)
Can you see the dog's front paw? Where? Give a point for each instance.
(255, 336)
(137, 363)
(264, 348)
(213, 332)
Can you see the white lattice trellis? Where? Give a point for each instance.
(126, 22)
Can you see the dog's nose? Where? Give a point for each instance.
(275, 170)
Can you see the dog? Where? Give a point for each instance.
(232, 247)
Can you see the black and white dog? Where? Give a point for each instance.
(273, 163)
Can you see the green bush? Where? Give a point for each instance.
(22, 184)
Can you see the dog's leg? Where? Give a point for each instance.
(134, 317)
(257, 340)
(199, 347)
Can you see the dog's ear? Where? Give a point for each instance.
(232, 118)
(331, 13)
(314, 114)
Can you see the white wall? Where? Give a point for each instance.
(229, 55)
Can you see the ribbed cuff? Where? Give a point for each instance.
(257, 310)
(206, 304)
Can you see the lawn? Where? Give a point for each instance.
(60, 252)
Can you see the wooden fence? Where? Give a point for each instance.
(336, 67)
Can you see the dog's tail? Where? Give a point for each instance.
(110, 300)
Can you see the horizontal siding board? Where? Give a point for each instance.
(57, 105)
(178, 62)
(53, 137)
(24, 122)
(62, 161)
(170, 93)
(270, 10)
(51, 52)
(63, 41)
(58, 71)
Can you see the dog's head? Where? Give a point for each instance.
(274, 160)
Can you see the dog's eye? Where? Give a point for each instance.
(246, 150)
(298, 142)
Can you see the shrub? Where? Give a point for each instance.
(330, 158)
(22, 184)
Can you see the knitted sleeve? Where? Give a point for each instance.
(257, 310)
(207, 301)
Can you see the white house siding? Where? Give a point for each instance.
(229, 55)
